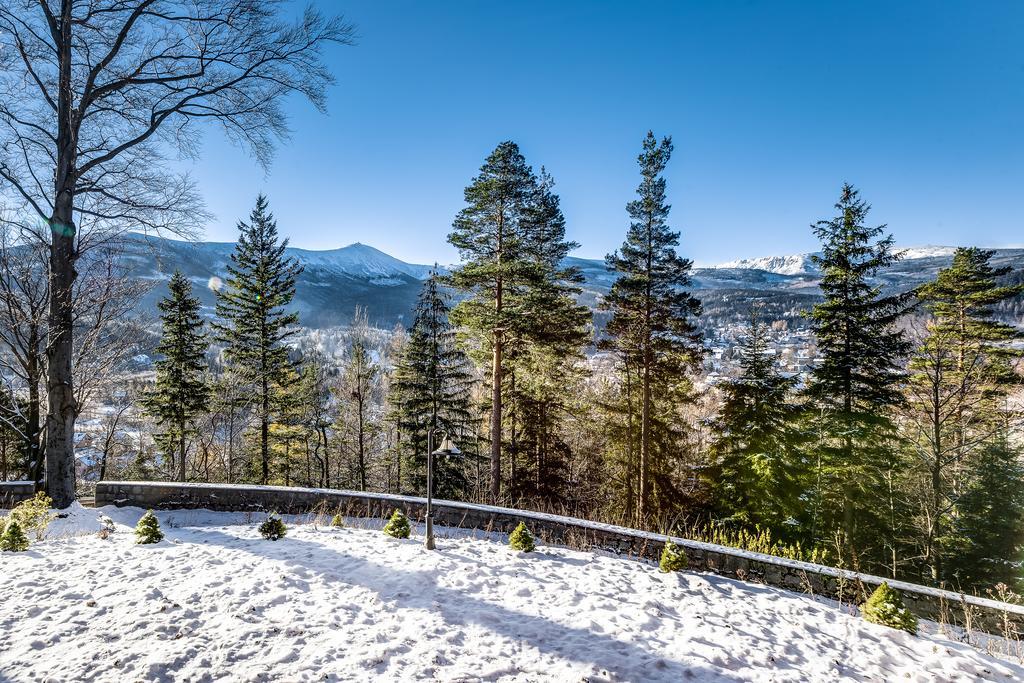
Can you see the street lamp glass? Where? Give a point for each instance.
(447, 447)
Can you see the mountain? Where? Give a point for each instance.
(797, 264)
(338, 281)
(803, 264)
(333, 284)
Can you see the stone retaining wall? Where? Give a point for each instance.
(13, 492)
(846, 586)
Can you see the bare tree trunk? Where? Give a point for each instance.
(362, 445)
(645, 448)
(62, 408)
(181, 452)
(32, 429)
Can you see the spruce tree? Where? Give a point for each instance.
(511, 238)
(148, 529)
(12, 537)
(181, 393)
(254, 322)
(432, 386)
(545, 369)
(652, 323)
(960, 376)
(986, 545)
(859, 381)
(757, 474)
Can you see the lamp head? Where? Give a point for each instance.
(447, 447)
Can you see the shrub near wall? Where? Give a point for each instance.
(924, 602)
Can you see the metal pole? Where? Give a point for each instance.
(430, 490)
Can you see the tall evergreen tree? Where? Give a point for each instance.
(14, 458)
(432, 386)
(181, 394)
(511, 237)
(757, 472)
(859, 381)
(652, 325)
(961, 373)
(356, 428)
(254, 324)
(987, 535)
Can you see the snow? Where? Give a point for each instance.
(802, 264)
(362, 260)
(216, 602)
(796, 264)
(927, 251)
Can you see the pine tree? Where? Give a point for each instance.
(652, 324)
(546, 368)
(960, 375)
(148, 529)
(986, 544)
(398, 525)
(673, 558)
(12, 537)
(885, 606)
(511, 237)
(356, 428)
(288, 432)
(757, 474)
(432, 387)
(521, 539)
(181, 393)
(273, 528)
(14, 450)
(858, 383)
(254, 323)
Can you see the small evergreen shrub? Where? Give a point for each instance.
(673, 558)
(148, 530)
(398, 525)
(107, 527)
(338, 521)
(13, 539)
(273, 529)
(521, 539)
(885, 607)
(33, 515)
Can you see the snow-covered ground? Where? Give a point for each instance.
(214, 601)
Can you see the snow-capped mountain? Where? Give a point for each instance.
(803, 264)
(333, 284)
(795, 264)
(927, 251)
(336, 282)
(361, 260)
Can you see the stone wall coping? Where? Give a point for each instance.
(824, 570)
(18, 484)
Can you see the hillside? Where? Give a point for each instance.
(213, 601)
(336, 282)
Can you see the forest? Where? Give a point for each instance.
(900, 454)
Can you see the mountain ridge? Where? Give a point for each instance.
(335, 282)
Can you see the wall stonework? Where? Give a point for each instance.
(13, 492)
(846, 586)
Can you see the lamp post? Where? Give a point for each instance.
(447, 447)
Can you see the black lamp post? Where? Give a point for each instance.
(447, 447)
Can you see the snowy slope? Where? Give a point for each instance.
(795, 264)
(216, 602)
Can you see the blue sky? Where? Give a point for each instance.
(772, 105)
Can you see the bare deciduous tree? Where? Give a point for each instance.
(94, 94)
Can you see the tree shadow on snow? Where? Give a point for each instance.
(417, 589)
